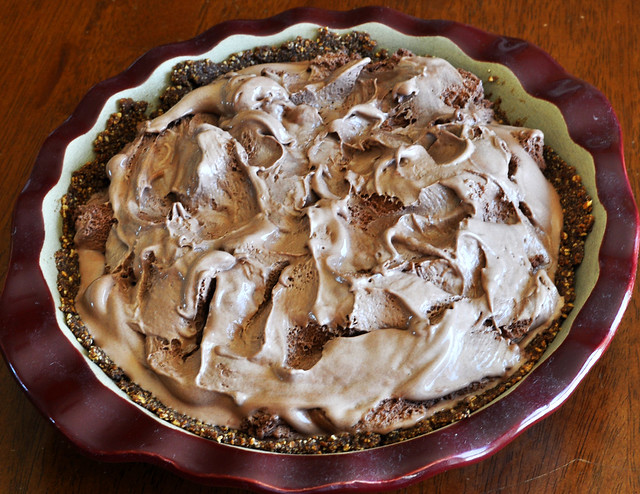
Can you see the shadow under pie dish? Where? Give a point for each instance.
(466, 440)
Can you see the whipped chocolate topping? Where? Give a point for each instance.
(311, 241)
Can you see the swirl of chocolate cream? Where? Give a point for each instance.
(309, 243)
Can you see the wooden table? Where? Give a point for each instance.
(52, 52)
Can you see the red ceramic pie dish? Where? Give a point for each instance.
(66, 387)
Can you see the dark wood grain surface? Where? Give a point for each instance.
(52, 52)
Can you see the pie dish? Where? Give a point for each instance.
(580, 125)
